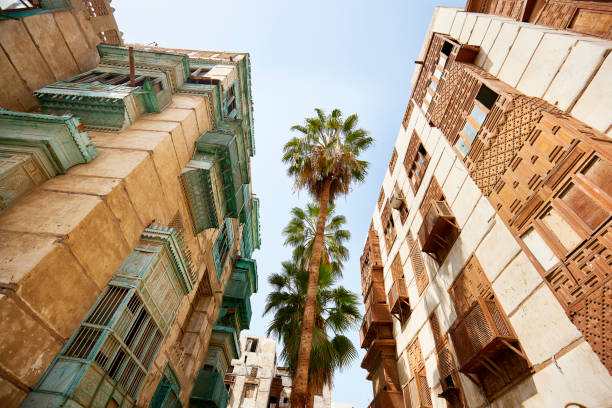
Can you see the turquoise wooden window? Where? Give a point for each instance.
(168, 391)
(110, 353)
(230, 102)
(28, 8)
(224, 243)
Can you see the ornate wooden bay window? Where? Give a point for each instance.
(415, 162)
(487, 348)
(399, 302)
(417, 391)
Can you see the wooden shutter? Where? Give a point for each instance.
(381, 198)
(413, 147)
(433, 193)
(418, 265)
(388, 226)
(420, 394)
(393, 160)
(396, 267)
(470, 284)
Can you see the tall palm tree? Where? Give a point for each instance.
(324, 160)
(336, 311)
(300, 233)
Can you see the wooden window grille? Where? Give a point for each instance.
(480, 108)
(253, 372)
(168, 391)
(418, 265)
(484, 340)
(415, 162)
(230, 100)
(381, 198)
(419, 391)
(407, 114)
(223, 244)
(439, 230)
(433, 193)
(399, 302)
(388, 226)
(393, 160)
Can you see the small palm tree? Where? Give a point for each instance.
(300, 233)
(324, 160)
(336, 311)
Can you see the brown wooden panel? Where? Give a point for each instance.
(388, 226)
(393, 160)
(418, 265)
(407, 114)
(469, 285)
(397, 269)
(429, 65)
(415, 357)
(433, 193)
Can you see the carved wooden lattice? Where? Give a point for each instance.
(381, 198)
(463, 88)
(413, 146)
(418, 266)
(433, 193)
(414, 355)
(431, 60)
(393, 160)
(435, 329)
(396, 267)
(388, 226)
(501, 150)
(470, 284)
(407, 114)
(420, 394)
(525, 174)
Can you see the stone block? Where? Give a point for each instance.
(113, 163)
(14, 95)
(20, 252)
(501, 47)
(443, 21)
(26, 59)
(27, 348)
(103, 259)
(468, 27)
(199, 106)
(574, 75)
(58, 290)
(519, 55)
(487, 41)
(10, 396)
(427, 341)
(48, 212)
(176, 132)
(542, 326)
(85, 57)
(445, 163)
(133, 139)
(593, 106)
(545, 63)
(466, 200)
(188, 121)
(458, 23)
(50, 42)
(516, 282)
(454, 181)
(479, 30)
(497, 249)
(431, 371)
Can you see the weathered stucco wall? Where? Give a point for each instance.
(60, 245)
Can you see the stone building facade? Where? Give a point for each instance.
(127, 219)
(257, 382)
(486, 270)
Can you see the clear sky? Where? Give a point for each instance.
(357, 56)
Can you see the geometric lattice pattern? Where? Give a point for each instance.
(393, 160)
(429, 65)
(470, 284)
(504, 145)
(418, 265)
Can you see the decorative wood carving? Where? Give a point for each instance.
(418, 266)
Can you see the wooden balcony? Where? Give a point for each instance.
(388, 399)
(482, 334)
(439, 230)
(377, 323)
(398, 297)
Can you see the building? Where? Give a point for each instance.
(257, 382)
(127, 220)
(486, 269)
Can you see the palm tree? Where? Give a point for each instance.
(300, 233)
(336, 311)
(324, 160)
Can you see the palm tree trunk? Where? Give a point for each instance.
(299, 392)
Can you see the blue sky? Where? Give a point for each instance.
(354, 55)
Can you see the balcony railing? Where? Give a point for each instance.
(376, 321)
(481, 334)
(398, 296)
(209, 390)
(387, 399)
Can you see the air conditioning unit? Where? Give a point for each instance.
(438, 231)
(397, 199)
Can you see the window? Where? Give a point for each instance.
(229, 102)
(482, 105)
(415, 162)
(418, 265)
(224, 243)
(388, 226)
(251, 345)
(250, 390)
(197, 75)
(419, 391)
(168, 390)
